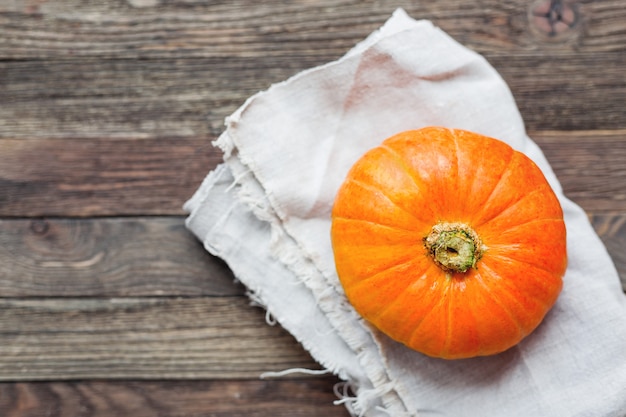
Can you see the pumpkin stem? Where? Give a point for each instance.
(455, 247)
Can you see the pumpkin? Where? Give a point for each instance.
(450, 242)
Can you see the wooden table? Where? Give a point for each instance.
(109, 307)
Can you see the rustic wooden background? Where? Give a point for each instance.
(108, 306)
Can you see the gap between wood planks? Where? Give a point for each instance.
(304, 397)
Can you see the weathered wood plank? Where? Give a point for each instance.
(304, 397)
(590, 166)
(96, 98)
(140, 28)
(566, 92)
(143, 257)
(190, 98)
(141, 338)
(74, 177)
(108, 257)
(612, 231)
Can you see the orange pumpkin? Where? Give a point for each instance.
(450, 242)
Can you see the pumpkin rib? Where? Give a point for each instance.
(385, 146)
(465, 183)
(496, 192)
(547, 233)
(417, 180)
(512, 248)
(379, 235)
(457, 164)
(476, 180)
(355, 201)
(510, 289)
(400, 159)
(513, 227)
(398, 177)
(487, 290)
(503, 257)
(393, 303)
(399, 287)
(543, 304)
(540, 291)
(496, 185)
(489, 295)
(409, 295)
(360, 274)
(368, 278)
(513, 206)
(376, 189)
(417, 333)
(352, 219)
(449, 327)
(461, 321)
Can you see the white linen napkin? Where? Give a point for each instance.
(266, 212)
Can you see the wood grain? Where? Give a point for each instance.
(108, 257)
(590, 166)
(75, 69)
(145, 257)
(304, 397)
(101, 177)
(549, 89)
(141, 338)
(149, 29)
(612, 231)
(189, 98)
(121, 98)
(74, 177)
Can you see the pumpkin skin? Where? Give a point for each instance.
(411, 206)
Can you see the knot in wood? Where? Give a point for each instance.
(554, 19)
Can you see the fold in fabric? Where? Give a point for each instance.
(266, 212)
